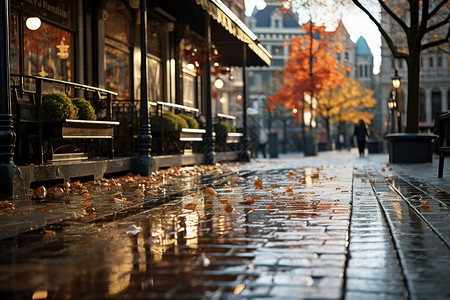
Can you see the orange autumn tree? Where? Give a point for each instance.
(347, 103)
(312, 68)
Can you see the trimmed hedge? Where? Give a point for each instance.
(56, 107)
(85, 109)
(170, 122)
(192, 123)
(222, 128)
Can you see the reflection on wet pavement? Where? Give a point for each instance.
(274, 234)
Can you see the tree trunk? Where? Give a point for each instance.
(327, 125)
(413, 108)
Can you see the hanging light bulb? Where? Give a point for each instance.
(33, 23)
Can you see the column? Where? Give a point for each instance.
(7, 135)
(144, 128)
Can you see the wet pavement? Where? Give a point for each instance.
(333, 226)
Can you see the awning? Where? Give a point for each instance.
(224, 16)
(228, 32)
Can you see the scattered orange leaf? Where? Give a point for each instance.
(425, 206)
(248, 202)
(387, 165)
(383, 170)
(258, 183)
(208, 205)
(228, 208)
(209, 191)
(363, 180)
(227, 191)
(46, 209)
(416, 197)
(390, 169)
(193, 194)
(390, 181)
(273, 186)
(224, 200)
(164, 207)
(372, 181)
(191, 206)
(49, 233)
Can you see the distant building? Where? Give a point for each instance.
(434, 79)
(274, 29)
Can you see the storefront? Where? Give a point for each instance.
(100, 44)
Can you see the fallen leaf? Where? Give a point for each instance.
(224, 200)
(49, 233)
(425, 206)
(139, 193)
(227, 191)
(390, 169)
(417, 197)
(45, 210)
(208, 205)
(372, 181)
(316, 175)
(228, 208)
(248, 202)
(164, 207)
(258, 183)
(387, 165)
(209, 191)
(383, 170)
(390, 181)
(191, 206)
(193, 194)
(273, 186)
(67, 200)
(363, 180)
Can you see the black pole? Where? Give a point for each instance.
(7, 135)
(209, 154)
(145, 137)
(244, 155)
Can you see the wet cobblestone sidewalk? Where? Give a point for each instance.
(331, 227)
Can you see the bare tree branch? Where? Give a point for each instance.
(383, 32)
(437, 8)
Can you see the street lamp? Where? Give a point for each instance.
(396, 84)
(392, 104)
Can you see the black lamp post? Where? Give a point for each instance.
(396, 84)
(392, 104)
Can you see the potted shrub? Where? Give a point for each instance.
(192, 123)
(57, 107)
(221, 130)
(85, 109)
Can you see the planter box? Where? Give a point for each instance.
(174, 141)
(410, 147)
(374, 145)
(79, 129)
(311, 146)
(325, 146)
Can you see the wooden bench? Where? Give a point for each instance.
(441, 128)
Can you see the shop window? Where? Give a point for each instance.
(48, 52)
(155, 62)
(118, 49)
(188, 73)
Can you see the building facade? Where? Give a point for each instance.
(434, 77)
(275, 29)
(146, 56)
